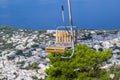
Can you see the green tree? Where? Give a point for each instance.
(84, 65)
(34, 65)
(19, 52)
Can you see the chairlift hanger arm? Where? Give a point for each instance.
(63, 19)
(72, 35)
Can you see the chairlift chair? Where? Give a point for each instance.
(64, 37)
(63, 41)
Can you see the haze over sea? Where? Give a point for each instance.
(46, 14)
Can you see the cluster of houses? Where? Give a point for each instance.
(23, 56)
(102, 40)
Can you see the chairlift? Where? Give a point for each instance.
(65, 37)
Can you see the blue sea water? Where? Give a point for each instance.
(46, 14)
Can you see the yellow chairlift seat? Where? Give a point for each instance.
(63, 42)
(57, 49)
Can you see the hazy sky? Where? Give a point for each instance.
(95, 14)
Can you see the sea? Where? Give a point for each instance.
(46, 14)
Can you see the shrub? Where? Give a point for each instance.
(10, 57)
(19, 52)
(84, 65)
(22, 62)
(34, 65)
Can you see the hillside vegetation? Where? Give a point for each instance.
(84, 65)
